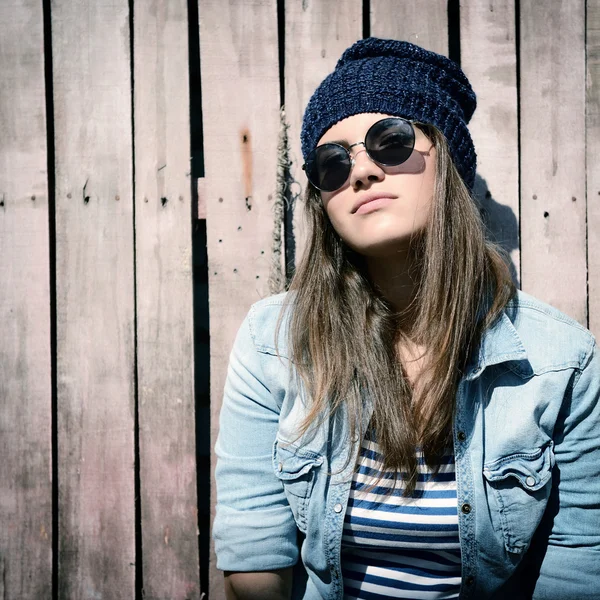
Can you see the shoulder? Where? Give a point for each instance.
(551, 338)
(268, 321)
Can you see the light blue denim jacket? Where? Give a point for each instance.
(527, 446)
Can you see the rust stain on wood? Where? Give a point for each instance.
(246, 149)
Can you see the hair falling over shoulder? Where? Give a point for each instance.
(344, 335)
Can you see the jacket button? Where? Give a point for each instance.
(530, 481)
(338, 508)
(462, 436)
(470, 580)
(280, 466)
(466, 508)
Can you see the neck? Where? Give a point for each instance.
(395, 277)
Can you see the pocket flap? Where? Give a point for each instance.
(532, 468)
(290, 462)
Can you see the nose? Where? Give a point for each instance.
(365, 171)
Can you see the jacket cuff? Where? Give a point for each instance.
(258, 540)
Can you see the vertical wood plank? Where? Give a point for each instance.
(240, 92)
(95, 302)
(488, 58)
(553, 231)
(25, 363)
(164, 301)
(422, 23)
(593, 161)
(316, 34)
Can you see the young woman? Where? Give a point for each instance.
(404, 423)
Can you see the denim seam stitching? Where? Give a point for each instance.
(506, 534)
(527, 455)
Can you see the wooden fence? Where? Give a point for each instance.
(103, 432)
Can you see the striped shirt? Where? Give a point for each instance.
(396, 547)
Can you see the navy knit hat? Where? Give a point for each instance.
(400, 79)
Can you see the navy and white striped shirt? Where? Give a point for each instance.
(396, 547)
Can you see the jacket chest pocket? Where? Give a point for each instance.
(521, 485)
(296, 469)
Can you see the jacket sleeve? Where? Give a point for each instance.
(254, 528)
(568, 541)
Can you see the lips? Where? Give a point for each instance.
(370, 197)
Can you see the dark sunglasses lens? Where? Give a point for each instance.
(328, 167)
(390, 141)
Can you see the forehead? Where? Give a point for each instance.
(354, 128)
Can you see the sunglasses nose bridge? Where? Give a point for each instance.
(356, 144)
(355, 153)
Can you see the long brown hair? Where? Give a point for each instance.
(344, 335)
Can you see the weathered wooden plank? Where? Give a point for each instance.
(488, 58)
(25, 363)
(164, 301)
(553, 231)
(95, 299)
(316, 34)
(240, 91)
(593, 161)
(425, 24)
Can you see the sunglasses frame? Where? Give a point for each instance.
(352, 161)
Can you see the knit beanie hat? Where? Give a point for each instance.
(400, 79)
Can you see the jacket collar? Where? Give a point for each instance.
(500, 343)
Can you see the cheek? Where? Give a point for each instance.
(334, 207)
(422, 192)
(423, 210)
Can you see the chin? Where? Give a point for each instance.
(384, 248)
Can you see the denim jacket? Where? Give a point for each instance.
(527, 446)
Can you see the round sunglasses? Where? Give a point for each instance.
(388, 142)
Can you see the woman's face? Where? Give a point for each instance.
(395, 202)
